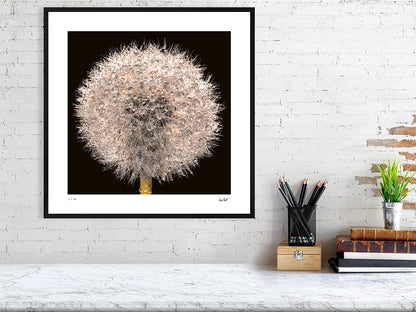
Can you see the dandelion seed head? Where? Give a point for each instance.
(148, 111)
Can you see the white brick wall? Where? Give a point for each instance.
(328, 75)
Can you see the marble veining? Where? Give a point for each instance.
(198, 287)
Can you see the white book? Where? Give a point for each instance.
(379, 256)
(375, 269)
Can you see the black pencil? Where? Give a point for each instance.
(313, 194)
(295, 226)
(294, 217)
(302, 192)
(286, 191)
(315, 201)
(283, 194)
(319, 194)
(298, 224)
(302, 221)
(290, 193)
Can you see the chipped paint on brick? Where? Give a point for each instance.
(403, 146)
(374, 167)
(376, 192)
(391, 143)
(366, 180)
(412, 181)
(410, 167)
(408, 156)
(407, 205)
(373, 180)
(403, 131)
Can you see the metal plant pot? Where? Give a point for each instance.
(392, 215)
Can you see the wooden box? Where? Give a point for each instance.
(299, 258)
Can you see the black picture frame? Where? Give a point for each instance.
(251, 180)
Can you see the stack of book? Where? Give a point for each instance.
(375, 250)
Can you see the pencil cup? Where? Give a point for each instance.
(302, 226)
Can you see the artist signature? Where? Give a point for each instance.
(224, 199)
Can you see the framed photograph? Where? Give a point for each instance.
(149, 113)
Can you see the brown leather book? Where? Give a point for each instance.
(346, 244)
(381, 234)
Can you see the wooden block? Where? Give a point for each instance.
(299, 258)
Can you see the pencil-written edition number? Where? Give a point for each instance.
(72, 198)
(223, 199)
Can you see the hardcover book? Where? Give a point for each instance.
(333, 262)
(346, 244)
(381, 234)
(375, 263)
(377, 255)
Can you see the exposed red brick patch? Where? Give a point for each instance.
(403, 131)
(412, 181)
(410, 167)
(414, 119)
(366, 180)
(375, 169)
(378, 142)
(409, 156)
(377, 192)
(407, 205)
(391, 143)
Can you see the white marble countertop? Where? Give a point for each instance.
(198, 287)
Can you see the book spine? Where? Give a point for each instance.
(375, 263)
(376, 246)
(382, 235)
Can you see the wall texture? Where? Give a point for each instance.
(335, 94)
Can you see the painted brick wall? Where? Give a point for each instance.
(336, 94)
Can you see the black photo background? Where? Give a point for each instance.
(212, 49)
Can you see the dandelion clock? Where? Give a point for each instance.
(148, 113)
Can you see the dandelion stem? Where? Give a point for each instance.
(145, 185)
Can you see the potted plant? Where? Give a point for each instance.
(393, 189)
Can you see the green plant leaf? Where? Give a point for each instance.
(390, 188)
